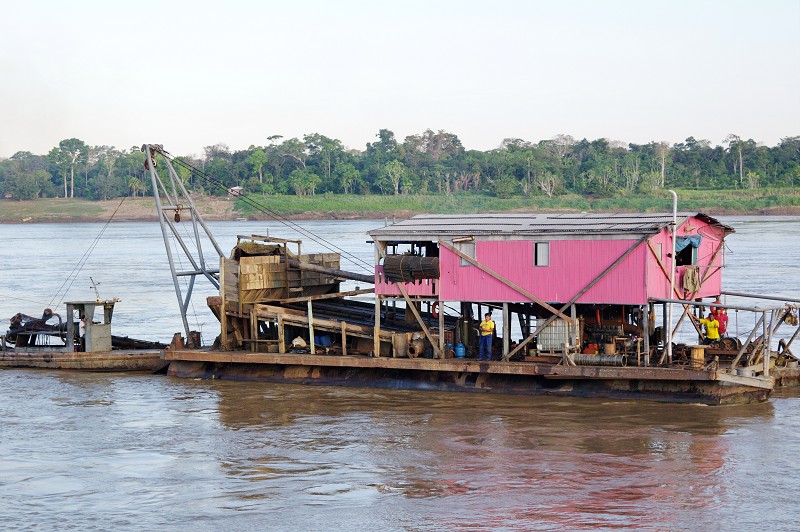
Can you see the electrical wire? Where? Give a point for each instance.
(366, 266)
(6, 296)
(73, 275)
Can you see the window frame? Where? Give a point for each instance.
(468, 249)
(544, 255)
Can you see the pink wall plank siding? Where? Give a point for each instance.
(573, 265)
(658, 282)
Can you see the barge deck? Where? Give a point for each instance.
(145, 360)
(708, 386)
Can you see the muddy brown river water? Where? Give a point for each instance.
(84, 451)
(112, 451)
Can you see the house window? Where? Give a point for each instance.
(658, 251)
(541, 254)
(686, 250)
(468, 249)
(687, 256)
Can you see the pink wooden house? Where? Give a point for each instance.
(623, 259)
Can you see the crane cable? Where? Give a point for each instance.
(276, 216)
(73, 275)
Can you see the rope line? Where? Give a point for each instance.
(6, 296)
(276, 216)
(73, 275)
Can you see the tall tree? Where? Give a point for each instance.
(323, 153)
(348, 177)
(378, 154)
(65, 157)
(735, 143)
(395, 172)
(560, 145)
(294, 150)
(662, 149)
(257, 160)
(135, 185)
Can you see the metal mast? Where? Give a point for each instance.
(174, 205)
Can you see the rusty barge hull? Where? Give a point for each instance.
(150, 361)
(786, 376)
(655, 384)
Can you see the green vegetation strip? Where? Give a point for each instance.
(341, 205)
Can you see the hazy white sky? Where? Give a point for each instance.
(189, 74)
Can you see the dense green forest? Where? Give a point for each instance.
(428, 163)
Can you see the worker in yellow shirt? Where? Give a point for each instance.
(486, 330)
(712, 328)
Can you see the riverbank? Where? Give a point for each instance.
(56, 210)
(351, 207)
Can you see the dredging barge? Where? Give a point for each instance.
(592, 295)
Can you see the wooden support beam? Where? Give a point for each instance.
(253, 329)
(344, 338)
(605, 272)
(376, 330)
(311, 328)
(533, 335)
(380, 251)
(757, 355)
(746, 343)
(333, 272)
(792, 339)
(300, 319)
(708, 273)
(769, 332)
(273, 239)
(441, 330)
(675, 293)
(577, 296)
(420, 321)
(646, 326)
(223, 320)
(768, 341)
(281, 335)
(505, 281)
(506, 330)
(336, 295)
(286, 270)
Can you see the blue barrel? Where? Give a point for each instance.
(461, 351)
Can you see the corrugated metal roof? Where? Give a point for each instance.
(432, 226)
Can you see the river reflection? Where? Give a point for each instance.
(144, 452)
(498, 459)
